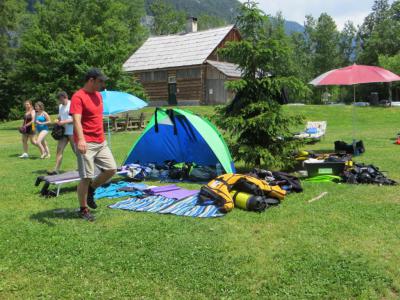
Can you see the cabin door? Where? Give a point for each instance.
(172, 90)
(172, 94)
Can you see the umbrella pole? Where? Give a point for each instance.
(354, 120)
(108, 129)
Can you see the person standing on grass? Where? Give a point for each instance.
(42, 120)
(64, 119)
(28, 128)
(91, 148)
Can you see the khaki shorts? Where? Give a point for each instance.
(97, 156)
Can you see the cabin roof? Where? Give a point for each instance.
(176, 50)
(229, 69)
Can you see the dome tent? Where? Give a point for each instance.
(180, 135)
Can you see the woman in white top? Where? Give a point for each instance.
(64, 119)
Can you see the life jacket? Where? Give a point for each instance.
(219, 189)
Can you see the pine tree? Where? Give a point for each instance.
(379, 34)
(258, 130)
(326, 41)
(347, 44)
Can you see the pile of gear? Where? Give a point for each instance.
(257, 191)
(302, 156)
(173, 171)
(349, 171)
(243, 191)
(365, 174)
(287, 182)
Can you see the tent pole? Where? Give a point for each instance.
(390, 92)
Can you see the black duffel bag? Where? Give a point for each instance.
(58, 132)
(355, 148)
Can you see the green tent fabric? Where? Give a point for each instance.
(180, 135)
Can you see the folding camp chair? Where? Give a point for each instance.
(60, 179)
(314, 131)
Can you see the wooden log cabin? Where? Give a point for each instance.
(185, 69)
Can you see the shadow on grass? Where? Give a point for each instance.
(311, 142)
(10, 129)
(40, 172)
(29, 158)
(47, 217)
(322, 151)
(52, 192)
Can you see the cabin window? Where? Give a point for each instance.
(145, 76)
(188, 73)
(153, 76)
(160, 76)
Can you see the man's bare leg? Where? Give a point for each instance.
(83, 191)
(102, 178)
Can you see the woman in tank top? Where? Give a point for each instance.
(28, 128)
(42, 129)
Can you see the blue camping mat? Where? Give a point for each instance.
(113, 191)
(188, 207)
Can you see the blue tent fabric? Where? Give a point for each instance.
(188, 207)
(172, 146)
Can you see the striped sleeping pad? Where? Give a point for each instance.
(188, 207)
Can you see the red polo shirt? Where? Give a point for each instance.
(90, 106)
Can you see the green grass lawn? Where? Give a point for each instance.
(343, 246)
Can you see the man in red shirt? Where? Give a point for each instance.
(92, 150)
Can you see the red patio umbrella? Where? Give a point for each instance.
(353, 75)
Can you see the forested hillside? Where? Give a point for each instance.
(225, 9)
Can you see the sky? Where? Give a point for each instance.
(340, 10)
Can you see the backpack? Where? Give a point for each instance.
(202, 173)
(286, 181)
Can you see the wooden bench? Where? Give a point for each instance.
(136, 122)
(125, 122)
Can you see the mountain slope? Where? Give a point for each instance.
(291, 27)
(224, 9)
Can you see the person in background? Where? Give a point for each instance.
(64, 119)
(28, 128)
(91, 148)
(42, 129)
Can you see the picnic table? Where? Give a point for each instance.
(125, 122)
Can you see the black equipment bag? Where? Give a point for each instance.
(58, 132)
(355, 148)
